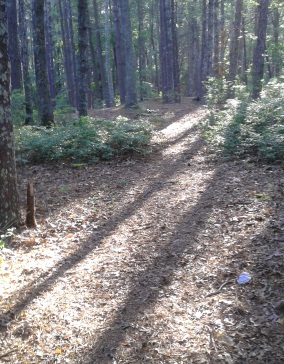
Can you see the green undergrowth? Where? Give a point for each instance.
(244, 127)
(89, 140)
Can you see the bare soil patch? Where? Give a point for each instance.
(136, 260)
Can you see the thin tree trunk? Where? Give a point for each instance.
(210, 36)
(216, 28)
(25, 62)
(82, 56)
(141, 48)
(234, 46)
(191, 50)
(99, 50)
(49, 48)
(66, 50)
(257, 70)
(72, 53)
(223, 35)
(95, 74)
(276, 56)
(109, 81)
(156, 79)
(244, 54)
(13, 45)
(203, 65)
(130, 69)
(119, 52)
(45, 111)
(176, 82)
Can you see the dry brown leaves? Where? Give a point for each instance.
(136, 261)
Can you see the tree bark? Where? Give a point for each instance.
(66, 52)
(72, 53)
(193, 56)
(216, 27)
(257, 70)
(100, 50)
(169, 53)
(109, 80)
(25, 62)
(45, 111)
(9, 199)
(49, 48)
(141, 48)
(82, 56)
(97, 94)
(130, 68)
(203, 66)
(276, 55)
(156, 78)
(30, 217)
(234, 46)
(13, 45)
(119, 52)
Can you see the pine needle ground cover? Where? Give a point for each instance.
(137, 260)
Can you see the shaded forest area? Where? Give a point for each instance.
(143, 142)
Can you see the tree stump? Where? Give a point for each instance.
(30, 217)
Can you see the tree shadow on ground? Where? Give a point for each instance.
(45, 280)
(226, 192)
(57, 183)
(241, 255)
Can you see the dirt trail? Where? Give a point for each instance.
(136, 260)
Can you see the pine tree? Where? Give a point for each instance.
(9, 200)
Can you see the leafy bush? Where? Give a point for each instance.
(244, 126)
(89, 140)
(216, 92)
(18, 107)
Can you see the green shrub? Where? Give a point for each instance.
(87, 141)
(247, 127)
(18, 107)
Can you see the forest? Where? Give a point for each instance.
(141, 181)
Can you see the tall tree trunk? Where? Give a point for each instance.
(130, 69)
(109, 80)
(223, 33)
(216, 28)
(276, 56)
(257, 70)
(49, 48)
(156, 79)
(82, 56)
(234, 46)
(169, 53)
(13, 45)
(72, 53)
(176, 81)
(100, 50)
(45, 111)
(141, 48)
(66, 49)
(95, 72)
(25, 62)
(119, 52)
(191, 50)
(244, 53)
(9, 199)
(203, 66)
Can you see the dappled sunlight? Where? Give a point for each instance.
(138, 260)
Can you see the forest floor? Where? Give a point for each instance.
(136, 260)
